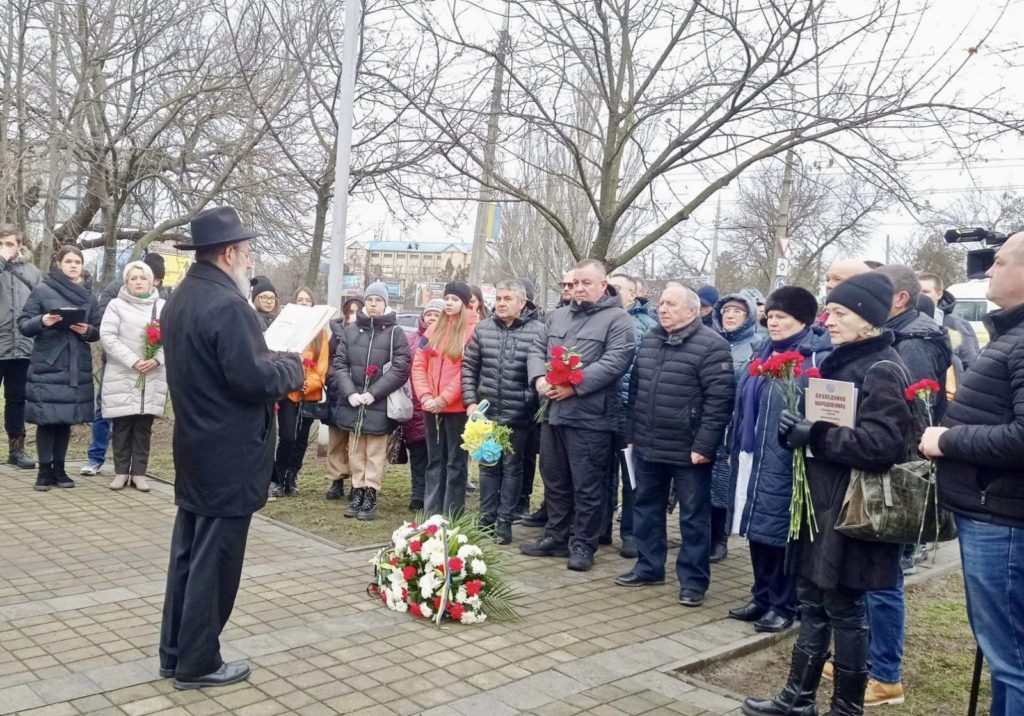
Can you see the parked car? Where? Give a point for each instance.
(971, 305)
(408, 321)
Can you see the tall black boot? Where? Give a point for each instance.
(848, 693)
(358, 495)
(60, 477)
(291, 476)
(797, 696)
(17, 455)
(44, 480)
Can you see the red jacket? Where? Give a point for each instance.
(437, 375)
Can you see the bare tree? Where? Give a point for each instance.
(718, 88)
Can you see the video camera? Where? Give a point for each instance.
(978, 260)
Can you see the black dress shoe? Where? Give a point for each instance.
(628, 548)
(227, 674)
(545, 547)
(719, 551)
(537, 519)
(690, 597)
(773, 622)
(632, 579)
(166, 673)
(749, 612)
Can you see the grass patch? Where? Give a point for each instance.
(937, 666)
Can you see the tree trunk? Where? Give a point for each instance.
(323, 204)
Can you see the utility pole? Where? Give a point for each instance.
(781, 229)
(713, 269)
(478, 257)
(343, 150)
(888, 248)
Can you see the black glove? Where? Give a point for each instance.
(794, 430)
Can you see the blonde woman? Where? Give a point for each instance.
(437, 380)
(134, 386)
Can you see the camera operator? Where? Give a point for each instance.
(981, 449)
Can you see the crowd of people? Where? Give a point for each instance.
(664, 416)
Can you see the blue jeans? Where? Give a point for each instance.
(693, 486)
(886, 618)
(100, 437)
(993, 562)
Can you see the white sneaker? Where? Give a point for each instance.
(140, 483)
(119, 482)
(91, 468)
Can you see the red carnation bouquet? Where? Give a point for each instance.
(923, 390)
(785, 368)
(564, 368)
(150, 346)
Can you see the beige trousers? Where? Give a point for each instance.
(337, 453)
(366, 457)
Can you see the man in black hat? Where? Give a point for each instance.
(224, 383)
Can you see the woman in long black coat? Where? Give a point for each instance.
(59, 390)
(835, 571)
(358, 388)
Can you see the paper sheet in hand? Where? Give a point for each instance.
(296, 327)
(627, 452)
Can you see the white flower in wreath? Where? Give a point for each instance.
(400, 606)
(462, 539)
(472, 617)
(427, 611)
(473, 602)
(461, 595)
(467, 552)
(397, 579)
(428, 583)
(478, 567)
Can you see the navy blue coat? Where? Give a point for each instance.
(765, 516)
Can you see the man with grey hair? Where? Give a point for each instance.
(680, 397)
(494, 368)
(581, 417)
(17, 279)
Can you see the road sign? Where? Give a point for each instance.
(782, 267)
(784, 244)
(780, 281)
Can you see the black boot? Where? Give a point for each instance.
(503, 531)
(720, 550)
(17, 456)
(60, 478)
(291, 476)
(848, 692)
(44, 480)
(357, 496)
(797, 696)
(368, 510)
(337, 490)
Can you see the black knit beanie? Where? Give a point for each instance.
(156, 262)
(261, 284)
(797, 302)
(869, 295)
(457, 288)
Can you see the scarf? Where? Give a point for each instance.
(753, 386)
(77, 294)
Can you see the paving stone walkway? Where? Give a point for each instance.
(81, 591)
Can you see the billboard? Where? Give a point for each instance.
(426, 292)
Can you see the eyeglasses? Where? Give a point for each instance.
(246, 254)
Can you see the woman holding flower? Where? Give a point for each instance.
(762, 469)
(834, 570)
(135, 381)
(293, 427)
(371, 362)
(437, 380)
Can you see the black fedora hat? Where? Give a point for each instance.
(216, 227)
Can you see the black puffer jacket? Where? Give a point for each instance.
(494, 368)
(369, 341)
(925, 349)
(883, 436)
(59, 389)
(981, 474)
(681, 394)
(603, 334)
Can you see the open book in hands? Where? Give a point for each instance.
(296, 327)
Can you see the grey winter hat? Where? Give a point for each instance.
(434, 304)
(377, 288)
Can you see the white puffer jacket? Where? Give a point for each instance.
(123, 336)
